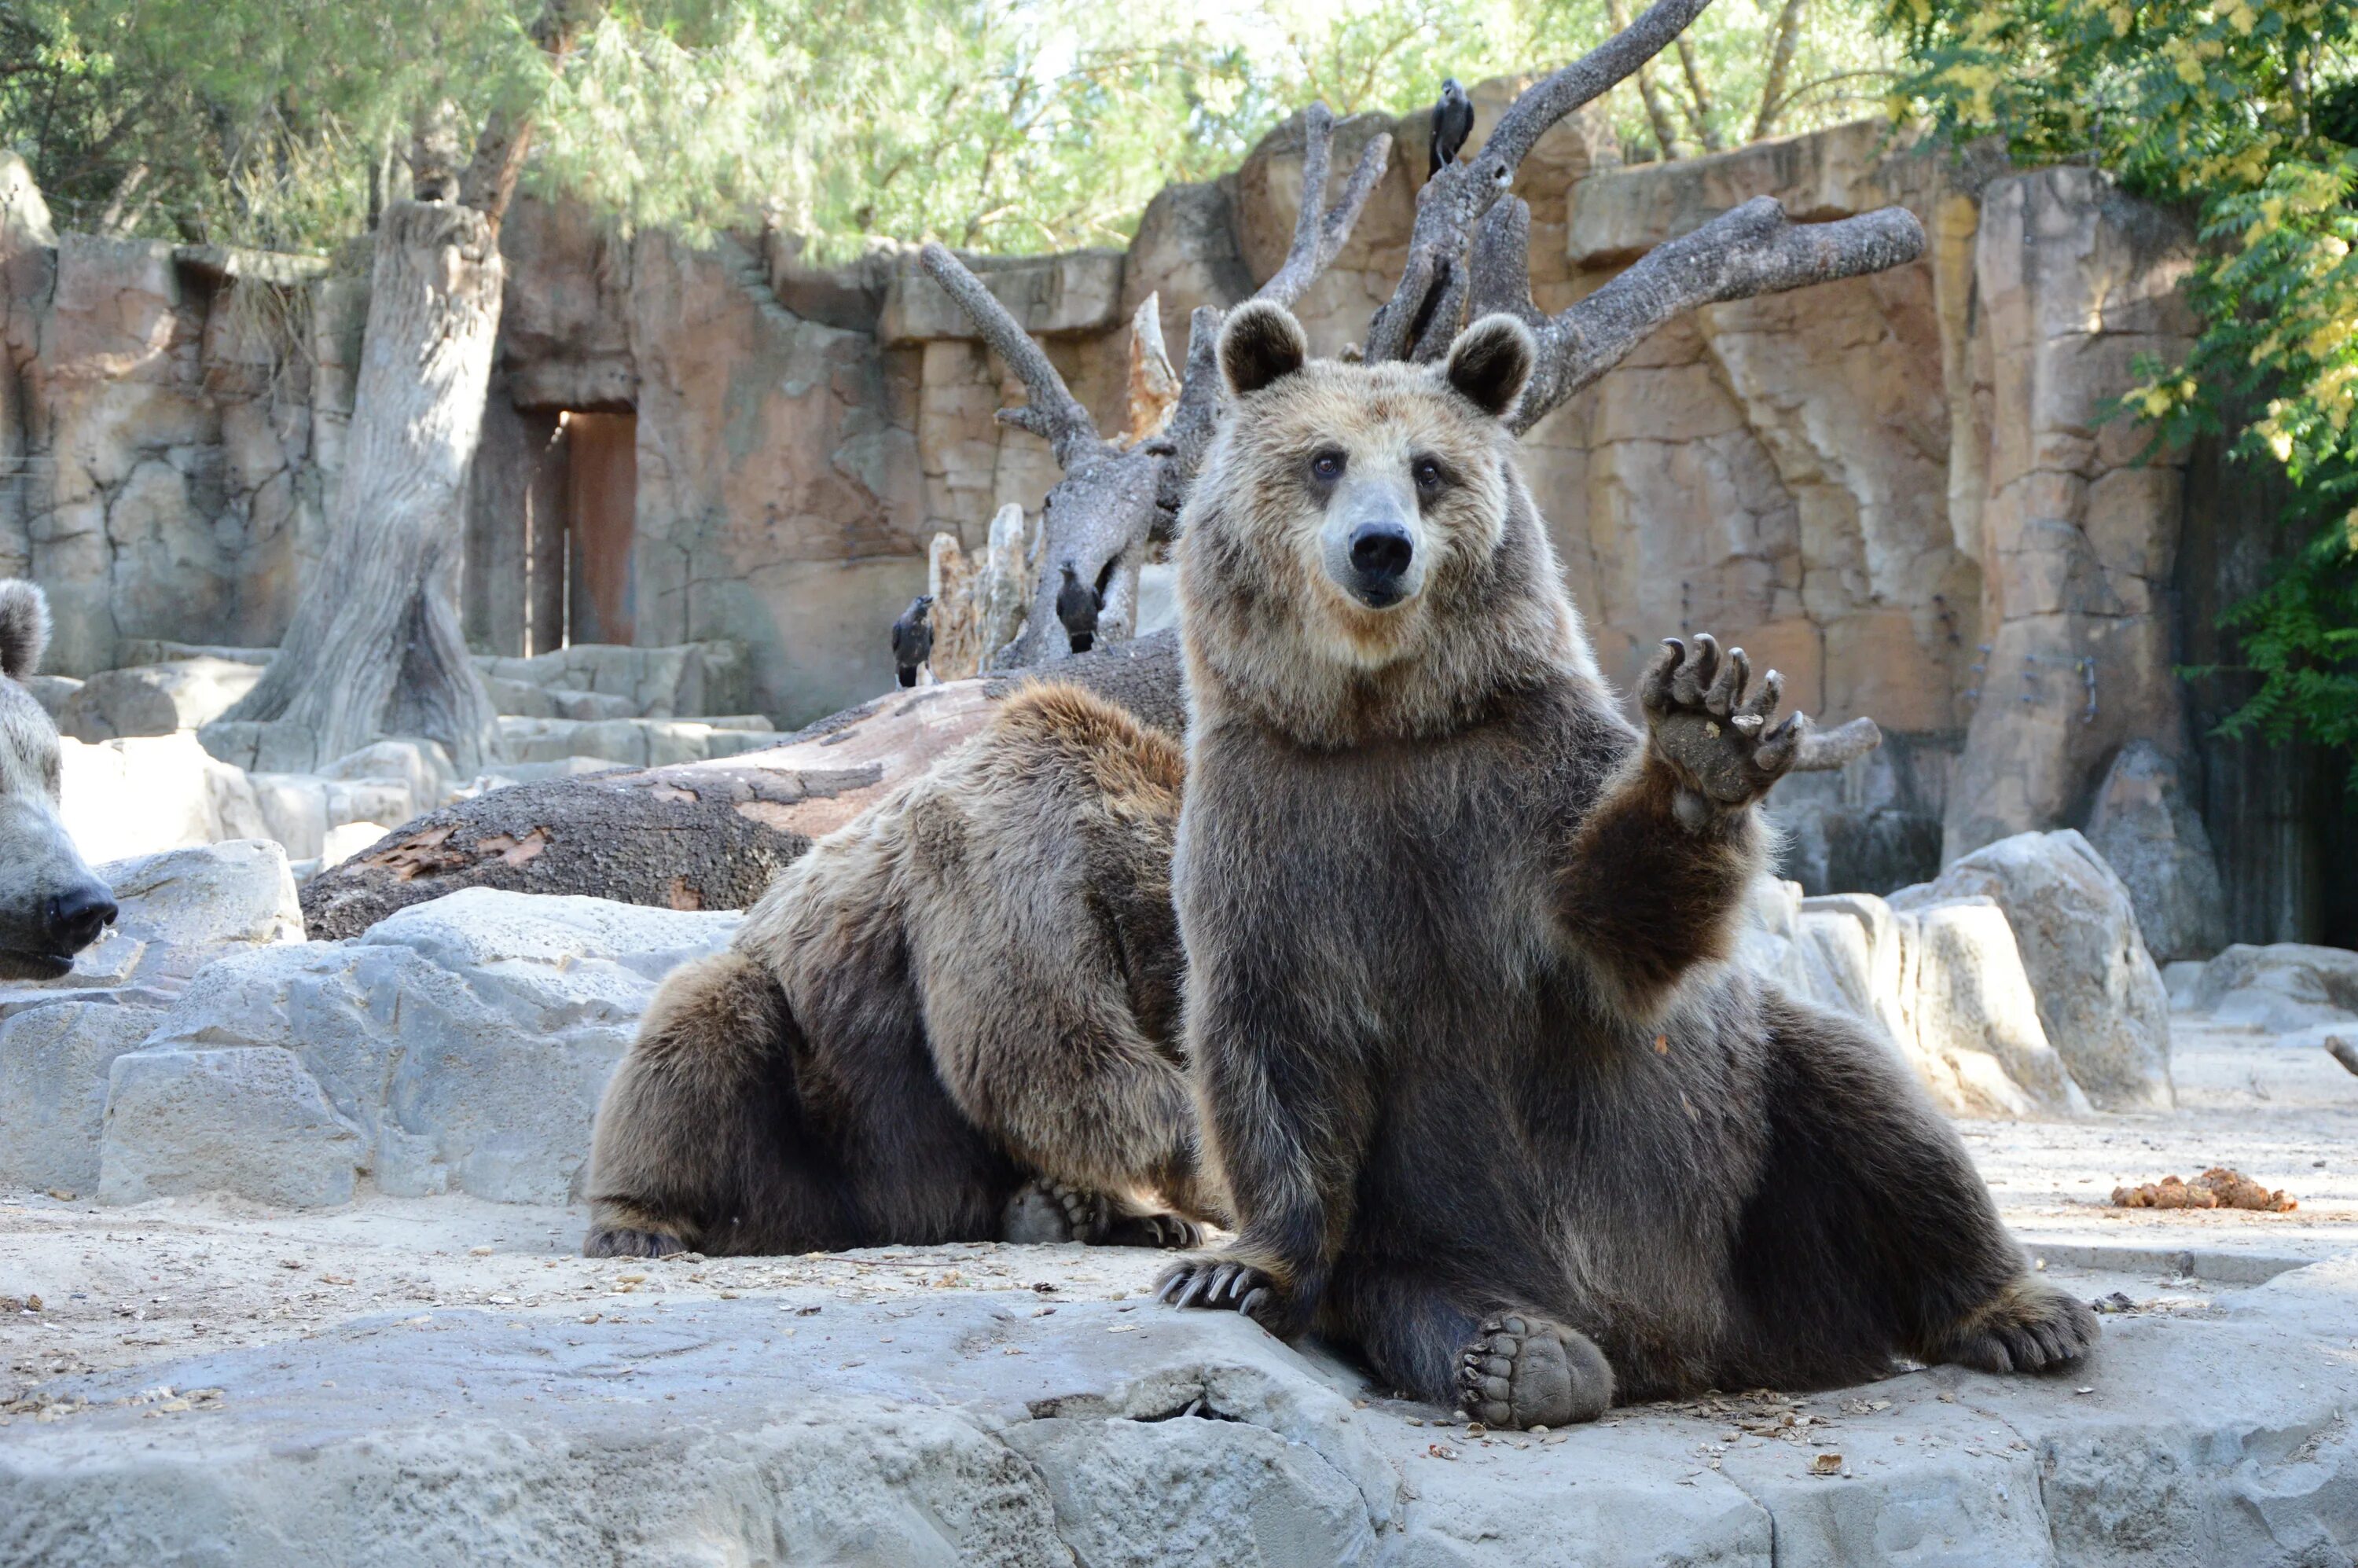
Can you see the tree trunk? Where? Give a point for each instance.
(376, 647)
(705, 835)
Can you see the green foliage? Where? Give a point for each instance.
(2247, 110)
(995, 124)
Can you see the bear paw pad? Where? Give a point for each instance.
(1524, 1371)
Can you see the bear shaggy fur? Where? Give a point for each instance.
(954, 1019)
(1491, 1105)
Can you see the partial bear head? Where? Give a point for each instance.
(1359, 553)
(50, 906)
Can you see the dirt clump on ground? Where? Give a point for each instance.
(2217, 1187)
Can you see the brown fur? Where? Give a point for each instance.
(973, 983)
(1486, 1096)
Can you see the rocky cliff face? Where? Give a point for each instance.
(1905, 492)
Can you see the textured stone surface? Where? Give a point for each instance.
(2284, 985)
(59, 1039)
(2076, 535)
(54, 1060)
(2149, 833)
(646, 742)
(154, 792)
(968, 1428)
(2100, 994)
(683, 682)
(1944, 982)
(464, 1041)
(250, 1122)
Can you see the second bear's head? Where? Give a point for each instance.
(1364, 525)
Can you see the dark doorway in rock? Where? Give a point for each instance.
(551, 530)
(601, 489)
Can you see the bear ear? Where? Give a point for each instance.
(23, 628)
(1261, 342)
(1491, 363)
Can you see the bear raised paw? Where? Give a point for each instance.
(1713, 730)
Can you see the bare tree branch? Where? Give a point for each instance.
(1054, 413)
(1454, 201)
(1748, 250)
(1319, 231)
(1823, 751)
(1703, 109)
(1319, 235)
(1112, 501)
(1781, 62)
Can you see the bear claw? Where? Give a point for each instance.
(1049, 1211)
(2027, 1328)
(1711, 721)
(1523, 1371)
(1218, 1284)
(624, 1241)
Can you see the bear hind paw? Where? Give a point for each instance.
(1523, 1371)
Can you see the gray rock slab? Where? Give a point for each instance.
(963, 1427)
(2101, 999)
(2279, 987)
(2149, 833)
(253, 1123)
(54, 1063)
(466, 1040)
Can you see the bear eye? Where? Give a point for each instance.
(1327, 466)
(1428, 473)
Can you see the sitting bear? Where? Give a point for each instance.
(954, 1019)
(1491, 1105)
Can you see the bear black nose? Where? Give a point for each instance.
(76, 918)
(1380, 551)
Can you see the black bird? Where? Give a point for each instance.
(1453, 121)
(913, 638)
(1077, 605)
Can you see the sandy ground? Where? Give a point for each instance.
(122, 1287)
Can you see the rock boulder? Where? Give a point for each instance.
(2101, 999)
(462, 1044)
(2279, 988)
(2152, 837)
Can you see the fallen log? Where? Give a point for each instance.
(705, 834)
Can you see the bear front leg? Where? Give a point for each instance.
(1657, 869)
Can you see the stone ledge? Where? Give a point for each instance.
(1068, 292)
(966, 1426)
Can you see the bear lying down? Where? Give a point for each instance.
(1477, 1087)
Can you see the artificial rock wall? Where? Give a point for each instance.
(1903, 491)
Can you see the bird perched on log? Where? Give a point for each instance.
(1076, 606)
(913, 638)
(1453, 121)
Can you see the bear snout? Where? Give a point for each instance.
(1372, 555)
(1380, 552)
(73, 919)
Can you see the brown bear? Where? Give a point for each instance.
(954, 1019)
(1492, 1104)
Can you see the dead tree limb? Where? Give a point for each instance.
(1453, 201)
(1749, 249)
(1114, 500)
